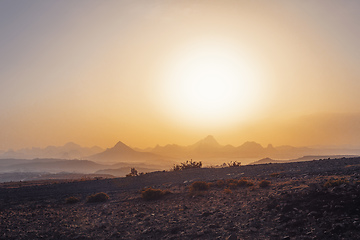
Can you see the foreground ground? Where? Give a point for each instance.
(308, 200)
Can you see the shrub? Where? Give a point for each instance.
(72, 200)
(220, 183)
(227, 191)
(133, 173)
(232, 185)
(97, 197)
(274, 175)
(153, 194)
(231, 181)
(249, 184)
(245, 183)
(334, 183)
(198, 187)
(234, 164)
(187, 165)
(264, 184)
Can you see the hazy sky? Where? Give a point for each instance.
(157, 72)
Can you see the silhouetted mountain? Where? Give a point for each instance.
(209, 148)
(250, 149)
(208, 142)
(123, 153)
(68, 151)
(170, 150)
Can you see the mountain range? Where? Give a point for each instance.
(118, 159)
(210, 148)
(68, 151)
(207, 150)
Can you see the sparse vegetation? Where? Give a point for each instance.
(227, 191)
(223, 204)
(72, 200)
(133, 173)
(245, 183)
(198, 187)
(335, 182)
(264, 183)
(274, 175)
(187, 165)
(97, 197)
(234, 164)
(232, 183)
(220, 183)
(150, 194)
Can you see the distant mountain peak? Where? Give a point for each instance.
(72, 145)
(209, 141)
(120, 144)
(209, 138)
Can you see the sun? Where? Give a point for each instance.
(210, 85)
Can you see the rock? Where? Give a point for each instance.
(206, 214)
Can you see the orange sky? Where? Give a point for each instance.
(158, 72)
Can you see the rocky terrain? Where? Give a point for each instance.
(306, 200)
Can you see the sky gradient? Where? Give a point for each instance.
(97, 72)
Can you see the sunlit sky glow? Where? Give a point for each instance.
(158, 72)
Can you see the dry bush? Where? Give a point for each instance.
(264, 184)
(234, 164)
(72, 200)
(245, 183)
(97, 197)
(232, 185)
(220, 183)
(153, 194)
(187, 165)
(229, 181)
(198, 187)
(133, 173)
(275, 175)
(335, 182)
(227, 191)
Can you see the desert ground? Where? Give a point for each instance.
(305, 200)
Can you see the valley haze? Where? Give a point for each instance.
(70, 160)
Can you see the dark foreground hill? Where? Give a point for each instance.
(307, 200)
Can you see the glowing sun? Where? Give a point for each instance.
(210, 85)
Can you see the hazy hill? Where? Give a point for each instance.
(7, 162)
(210, 148)
(123, 153)
(302, 159)
(170, 150)
(68, 151)
(269, 160)
(123, 171)
(207, 150)
(54, 166)
(207, 147)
